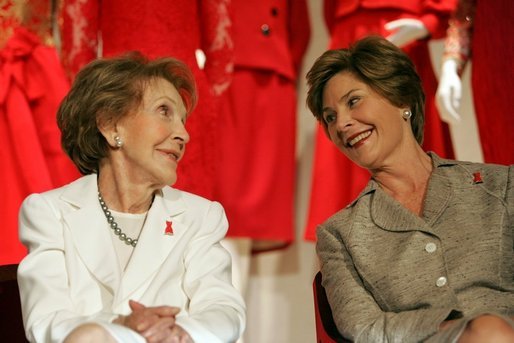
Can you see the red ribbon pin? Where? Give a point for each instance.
(477, 178)
(168, 230)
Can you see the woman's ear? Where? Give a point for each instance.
(107, 128)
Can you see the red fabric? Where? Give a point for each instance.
(336, 181)
(257, 178)
(162, 28)
(493, 78)
(257, 134)
(32, 84)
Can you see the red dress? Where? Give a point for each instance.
(32, 84)
(174, 28)
(256, 181)
(475, 30)
(336, 180)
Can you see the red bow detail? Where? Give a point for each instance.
(168, 230)
(477, 178)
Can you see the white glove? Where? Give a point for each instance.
(405, 31)
(449, 92)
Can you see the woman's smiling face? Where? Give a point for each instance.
(154, 135)
(365, 126)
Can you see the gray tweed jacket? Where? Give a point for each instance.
(392, 276)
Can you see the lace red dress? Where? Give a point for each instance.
(336, 180)
(32, 84)
(482, 30)
(157, 28)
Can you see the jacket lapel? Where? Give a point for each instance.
(390, 215)
(154, 244)
(439, 194)
(90, 232)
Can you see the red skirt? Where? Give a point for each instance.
(256, 175)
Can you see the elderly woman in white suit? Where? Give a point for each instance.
(119, 255)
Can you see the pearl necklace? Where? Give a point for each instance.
(114, 225)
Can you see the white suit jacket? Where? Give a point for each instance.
(71, 274)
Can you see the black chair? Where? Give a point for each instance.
(11, 323)
(326, 330)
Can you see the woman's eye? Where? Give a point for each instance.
(352, 101)
(329, 118)
(164, 110)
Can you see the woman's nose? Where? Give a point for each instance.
(181, 133)
(343, 121)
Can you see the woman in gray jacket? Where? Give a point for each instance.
(425, 252)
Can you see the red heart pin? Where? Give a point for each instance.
(168, 230)
(477, 178)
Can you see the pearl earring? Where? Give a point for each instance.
(119, 142)
(406, 114)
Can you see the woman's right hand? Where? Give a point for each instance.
(156, 324)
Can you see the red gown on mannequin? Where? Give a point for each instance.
(256, 182)
(157, 28)
(492, 75)
(32, 84)
(336, 181)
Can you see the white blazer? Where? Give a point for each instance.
(71, 274)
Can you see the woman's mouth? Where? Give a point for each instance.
(354, 140)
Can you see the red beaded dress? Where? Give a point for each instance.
(32, 84)
(336, 181)
(176, 28)
(481, 31)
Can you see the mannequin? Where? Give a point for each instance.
(32, 85)
(178, 28)
(258, 122)
(257, 132)
(471, 34)
(409, 25)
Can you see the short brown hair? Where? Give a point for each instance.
(108, 89)
(382, 66)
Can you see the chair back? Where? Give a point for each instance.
(11, 322)
(326, 330)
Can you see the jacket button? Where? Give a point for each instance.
(430, 247)
(265, 29)
(441, 281)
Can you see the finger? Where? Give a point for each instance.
(141, 320)
(159, 329)
(135, 306)
(457, 95)
(393, 25)
(165, 311)
(398, 38)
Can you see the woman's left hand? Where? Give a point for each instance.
(156, 324)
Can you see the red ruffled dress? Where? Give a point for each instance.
(32, 84)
